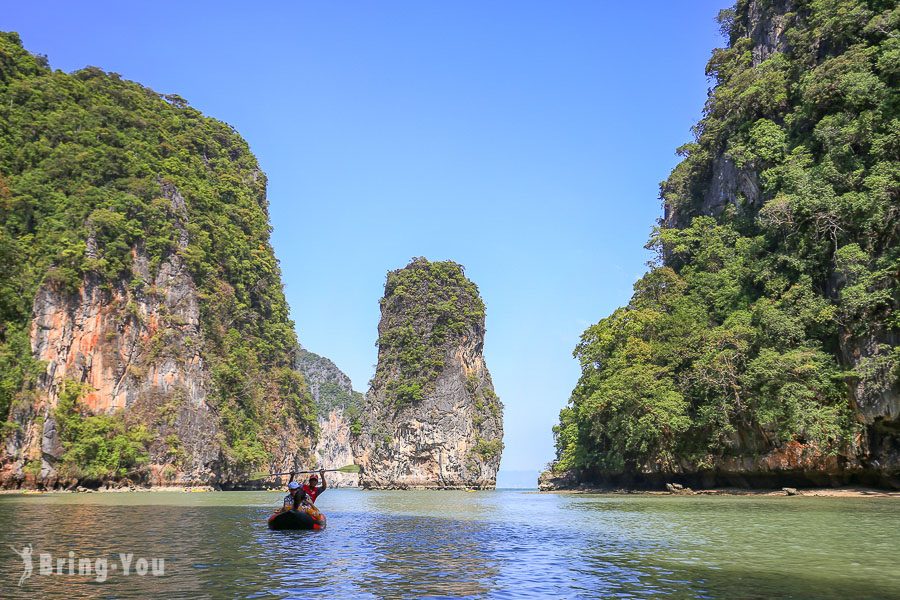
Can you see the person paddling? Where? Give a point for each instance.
(312, 492)
(296, 496)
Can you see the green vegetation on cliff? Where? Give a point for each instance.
(97, 446)
(778, 257)
(330, 387)
(332, 396)
(89, 155)
(428, 304)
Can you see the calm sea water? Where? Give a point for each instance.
(500, 544)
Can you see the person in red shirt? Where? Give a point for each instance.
(312, 492)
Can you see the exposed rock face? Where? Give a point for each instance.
(333, 449)
(729, 184)
(743, 169)
(144, 333)
(549, 481)
(766, 25)
(431, 418)
(875, 391)
(137, 349)
(337, 404)
(102, 337)
(876, 399)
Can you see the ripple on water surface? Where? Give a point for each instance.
(455, 544)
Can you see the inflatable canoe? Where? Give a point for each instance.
(303, 518)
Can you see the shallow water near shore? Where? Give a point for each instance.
(457, 544)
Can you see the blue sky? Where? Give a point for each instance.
(525, 140)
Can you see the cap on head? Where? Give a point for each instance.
(293, 485)
(314, 477)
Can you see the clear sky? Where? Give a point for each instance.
(525, 140)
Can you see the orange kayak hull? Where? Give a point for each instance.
(308, 518)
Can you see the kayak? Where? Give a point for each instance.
(303, 518)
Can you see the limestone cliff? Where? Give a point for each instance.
(762, 348)
(144, 334)
(431, 418)
(762, 26)
(728, 190)
(102, 338)
(876, 392)
(337, 414)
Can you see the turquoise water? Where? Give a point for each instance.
(502, 544)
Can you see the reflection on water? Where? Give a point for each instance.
(457, 544)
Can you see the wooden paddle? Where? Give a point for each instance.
(344, 469)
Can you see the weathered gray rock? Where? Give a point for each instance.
(333, 448)
(328, 385)
(730, 184)
(337, 405)
(550, 481)
(875, 389)
(138, 349)
(451, 437)
(767, 21)
(677, 488)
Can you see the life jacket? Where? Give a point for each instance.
(289, 500)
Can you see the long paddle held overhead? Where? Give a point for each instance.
(344, 469)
